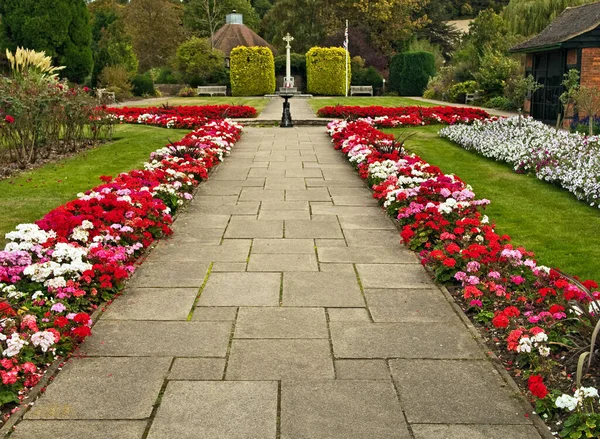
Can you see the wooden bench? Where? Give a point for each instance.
(472, 97)
(212, 90)
(361, 89)
(105, 97)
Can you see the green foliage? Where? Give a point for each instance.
(164, 75)
(501, 103)
(205, 17)
(520, 88)
(186, 92)
(457, 92)
(143, 85)
(530, 17)
(197, 62)
(417, 69)
(362, 75)
(297, 64)
(252, 71)
(496, 69)
(60, 28)
(116, 79)
(326, 71)
(396, 66)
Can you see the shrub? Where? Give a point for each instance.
(165, 75)
(457, 92)
(143, 85)
(495, 70)
(252, 71)
(196, 61)
(410, 72)
(501, 103)
(116, 80)
(186, 92)
(326, 72)
(438, 86)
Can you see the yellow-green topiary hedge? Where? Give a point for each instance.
(326, 72)
(252, 71)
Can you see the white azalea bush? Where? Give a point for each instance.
(569, 160)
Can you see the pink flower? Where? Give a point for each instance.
(58, 307)
(473, 266)
(494, 275)
(517, 280)
(477, 303)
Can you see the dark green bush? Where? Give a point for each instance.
(297, 64)
(367, 76)
(417, 69)
(458, 92)
(396, 66)
(143, 85)
(166, 76)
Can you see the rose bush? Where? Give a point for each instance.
(534, 313)
(56, 272)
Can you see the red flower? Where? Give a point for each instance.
(82, 318)
(9, 119)
(556, 308)
(590, 284)
(61, 321)
(449, 262)
(500, 320)
(82, 332)
(537, 387)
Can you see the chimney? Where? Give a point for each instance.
(234, 18)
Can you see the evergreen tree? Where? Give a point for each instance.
(60, 28)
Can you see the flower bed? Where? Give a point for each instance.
(390, 117)
(571, 161)
(181, 113)
(539, 319)
(54, 273)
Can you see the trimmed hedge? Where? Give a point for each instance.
(325, 71)
(410, 72)
(252, 71)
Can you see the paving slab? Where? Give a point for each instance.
(362, 370)
(103, 388)
(366, 223)
(341, 409)
(347, 211)
(372, 238)
(152, 304)
(230, 250)
(425, 431)
(310, 194)
(313, 229)
(215, 314)
(465, 392)
(394, 276)
(284, 215)
(158, 339)
(283, 205)
(216, 410)
(366, 255)
(283, 262)
(403, 340)
(197, 369)
(287, 183)
(304, 173)
(241, 208)
(354, 201)
(202, 221)
(228, 266)
(342, 269)
(321, 289)
(241, 289)
(279, 360)
(169, 274)
(78, 429)
(259, 194)
(283, 246)
(348, 315)
(244, 227)
(326, 242)
(407, 305)
(279, 322)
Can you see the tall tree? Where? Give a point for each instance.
(60, 28)
(111, 45)
(156, 30)
(205, 17)
(529, 17)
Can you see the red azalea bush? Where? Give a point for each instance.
(390, 117)
(57, 271)
(538, 317)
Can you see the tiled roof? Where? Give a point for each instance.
(233, 35)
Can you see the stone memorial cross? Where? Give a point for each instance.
(288, 81)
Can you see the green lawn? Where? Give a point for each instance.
(258, 103)
(365, 101)
(562, 231)
(29, 196)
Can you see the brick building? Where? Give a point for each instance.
(572, 41)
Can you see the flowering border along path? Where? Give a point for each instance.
(182, 116)
(570, 160)
(538, 319)
(55, 272)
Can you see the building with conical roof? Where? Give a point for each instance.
(235, 33)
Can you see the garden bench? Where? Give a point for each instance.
(212, 90)
(361, 89)
(472, 97)
(105, 97)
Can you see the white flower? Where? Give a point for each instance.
(566, 402)
(14, 345)
(43, 340)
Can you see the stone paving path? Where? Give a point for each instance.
(282, 307)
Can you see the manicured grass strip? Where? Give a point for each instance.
(258, 103)
(29, 196)
(366, 101)
(562, 231)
